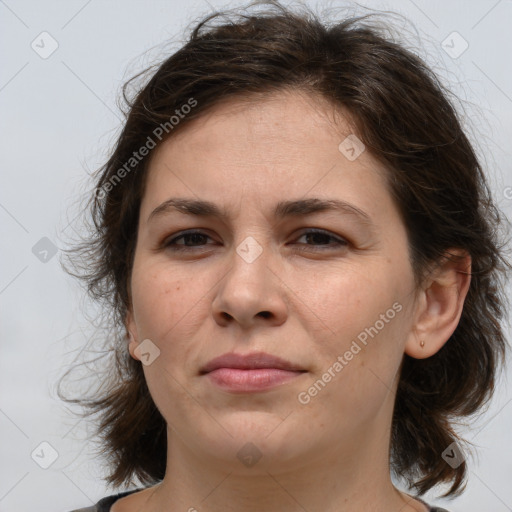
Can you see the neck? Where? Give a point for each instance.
(351, 479)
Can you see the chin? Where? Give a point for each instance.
(256, 441)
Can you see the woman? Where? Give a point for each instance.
(301, 254)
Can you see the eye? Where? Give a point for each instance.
(321, 236)
(194, 237)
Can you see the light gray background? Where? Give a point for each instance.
(59, 118)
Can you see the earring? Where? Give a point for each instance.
(422, 343)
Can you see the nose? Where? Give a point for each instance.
(250, 292)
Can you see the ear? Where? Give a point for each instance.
(131, 329)
(439, 305)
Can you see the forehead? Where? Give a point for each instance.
(272, 119)
(284, 144)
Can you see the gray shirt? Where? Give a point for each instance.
(105, 504)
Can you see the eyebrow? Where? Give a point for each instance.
(282, 209)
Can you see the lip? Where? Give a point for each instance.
(251, 372)
(252, 361)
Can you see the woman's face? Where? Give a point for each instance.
(337, 304)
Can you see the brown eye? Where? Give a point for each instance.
(322, 237)
(194, 238)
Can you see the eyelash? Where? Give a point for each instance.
(170, 243)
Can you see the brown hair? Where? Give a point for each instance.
(402, 115)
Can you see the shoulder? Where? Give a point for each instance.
(430, 508)
(106, 503)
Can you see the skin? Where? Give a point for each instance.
(330, 454)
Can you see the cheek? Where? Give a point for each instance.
(364, 321)
(348, 299)
(359, 366)
(165, 306)
(166, 310)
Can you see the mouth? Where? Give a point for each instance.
(250, 373)
(246, 381)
